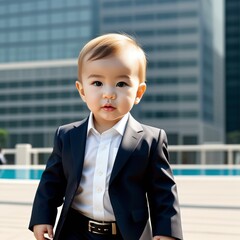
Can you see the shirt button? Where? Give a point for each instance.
(97, 208)
(100, 173)
(98, 189)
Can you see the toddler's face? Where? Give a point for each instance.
(110, 87)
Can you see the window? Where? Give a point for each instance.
(58, 17)
(77, 3)
(28, 20)
(76, 15)
(42, 18)
(3, 55)
(13, 8)
(27, 96)
(43, 34)
(14, 21)
(58, 4)
(43, 4)
(43, 52)
(78, 32)
(12, 54)
(13, 36)
(57, 33)
(28, 6)
(27, 35)
(57, 50)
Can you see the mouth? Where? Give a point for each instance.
(108, 108)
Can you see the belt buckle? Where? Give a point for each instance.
(90, 222)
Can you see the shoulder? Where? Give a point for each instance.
(157, 133)
(150, 128)
(147, 129)
(153, 129)
(63, 129)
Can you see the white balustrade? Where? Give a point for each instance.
(26, 155)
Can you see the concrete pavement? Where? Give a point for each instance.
(210, 208)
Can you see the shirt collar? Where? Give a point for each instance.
(119, 126)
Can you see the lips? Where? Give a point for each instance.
(108, 108)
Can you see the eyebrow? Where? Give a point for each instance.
(100, 76)
(95, 76)
(123, 76)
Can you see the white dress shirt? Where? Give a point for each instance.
(92, 197)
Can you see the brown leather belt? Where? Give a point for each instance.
(97, 227)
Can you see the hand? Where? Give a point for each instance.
(163, 238)
(41, 229)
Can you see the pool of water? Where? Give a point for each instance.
(206, 172)
(31, 174)
(35, 174)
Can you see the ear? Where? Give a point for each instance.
(141, 90)
(80, 89)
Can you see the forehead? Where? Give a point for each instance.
(121, 62)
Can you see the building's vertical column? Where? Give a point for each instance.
(23, 154)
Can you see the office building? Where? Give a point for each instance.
(39, 44)
(177, 36)
(182, 89)
(232, 72)
(45, 29)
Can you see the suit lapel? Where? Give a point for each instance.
(78, 143)
(129, 142)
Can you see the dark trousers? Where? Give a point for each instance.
(76, 228)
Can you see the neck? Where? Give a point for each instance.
(102, 127)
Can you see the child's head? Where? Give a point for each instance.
(111, 77)
(109, 45)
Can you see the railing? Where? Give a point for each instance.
(203, 149)
(26, 155)
(36, 151)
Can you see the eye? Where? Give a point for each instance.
(121, 84)
(97, 83)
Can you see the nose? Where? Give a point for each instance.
(109, 93)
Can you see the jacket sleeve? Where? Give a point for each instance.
(162, 193)
(51, 189)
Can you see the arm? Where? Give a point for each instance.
(162, 193)
(51, 189)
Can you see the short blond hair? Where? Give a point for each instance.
(110, 44)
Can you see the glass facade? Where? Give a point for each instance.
(41, 39)
(177, 36)
(37, 99)
(39, 44)
(45, 29)
(232, 67)
(207, 96)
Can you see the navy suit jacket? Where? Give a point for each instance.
(141, 183)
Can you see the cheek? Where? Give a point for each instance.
(92, 98)
(127, 100)
(132, 95)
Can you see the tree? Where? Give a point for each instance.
(233, 137)
(3, 137)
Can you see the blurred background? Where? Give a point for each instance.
(193, 79)
(193, 72)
